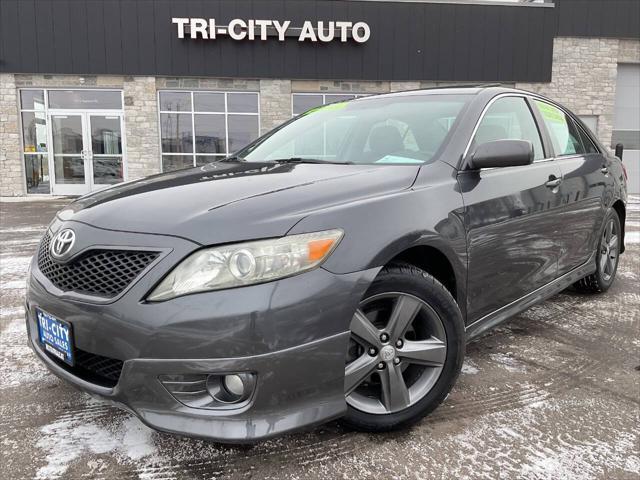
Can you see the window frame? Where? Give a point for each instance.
(193, 112)
(545, 140)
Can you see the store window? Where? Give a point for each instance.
(34, 141)
(301, 102)
(199, 127)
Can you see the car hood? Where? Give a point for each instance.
(233, 201)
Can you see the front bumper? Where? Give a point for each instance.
(292, 333)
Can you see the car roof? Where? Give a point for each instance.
(473, 89)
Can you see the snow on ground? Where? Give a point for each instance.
(552, 394)
(66, 439)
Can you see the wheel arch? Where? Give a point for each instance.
(435, 260)
(621, 210)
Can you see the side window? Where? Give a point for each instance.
(587, 143)
(509, 118)
(564, 134)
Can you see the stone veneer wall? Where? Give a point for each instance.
(583, 78)
(141, 127)
(11, 170)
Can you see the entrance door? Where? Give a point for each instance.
(87, 151)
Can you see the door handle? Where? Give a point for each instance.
(604, 170)
(553, 182)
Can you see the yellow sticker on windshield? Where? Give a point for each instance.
(327, 108)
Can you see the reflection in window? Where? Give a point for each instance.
(210, 134)
(243, 129)
(105, 135)
(34, 132)
(86, 99)
(36, 169)
(177, 136)
(199, 127)
(32, 99)
(107, 170)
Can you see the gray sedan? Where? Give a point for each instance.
(336, 267)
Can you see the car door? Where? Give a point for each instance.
(510, 213)
(583, 191)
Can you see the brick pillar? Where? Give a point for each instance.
(11, 167)
(141, 126)
(275, 103)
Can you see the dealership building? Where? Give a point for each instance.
(97, 92)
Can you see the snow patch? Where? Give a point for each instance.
(469, 367)
(631, 237)
(18, 364)
(14, 266)
(14, 285)
(69, 438)
(506, 361)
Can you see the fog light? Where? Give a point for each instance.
(234, 385)
(233, 388)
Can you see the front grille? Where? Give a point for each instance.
(92, 368)
(102, 273)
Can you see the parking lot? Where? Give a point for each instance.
(552, 394)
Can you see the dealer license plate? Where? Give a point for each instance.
(55, 336)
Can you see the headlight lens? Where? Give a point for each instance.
(247, 263)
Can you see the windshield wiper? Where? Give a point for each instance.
(308, 160)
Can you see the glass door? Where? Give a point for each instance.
(105, 149)
(69, 154)
(87, 151)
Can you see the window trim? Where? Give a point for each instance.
(193, 112)
(541, 132)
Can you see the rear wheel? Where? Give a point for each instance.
(405, 352)
(607, 257)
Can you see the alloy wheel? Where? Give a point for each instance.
(397, 352)
(609, 250)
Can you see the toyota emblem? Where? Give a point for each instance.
(62, 243)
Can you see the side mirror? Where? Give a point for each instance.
(619, 150)
(502, 153)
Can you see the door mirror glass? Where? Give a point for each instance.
(502, 153)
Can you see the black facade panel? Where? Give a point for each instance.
(409, 40)
(598, 18)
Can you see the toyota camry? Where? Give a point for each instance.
(334, 268)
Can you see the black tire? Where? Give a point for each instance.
(406, 278)
(601, 281)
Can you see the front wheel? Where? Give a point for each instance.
(607, 257)
(405, 352)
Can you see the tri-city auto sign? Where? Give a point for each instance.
(239, 29)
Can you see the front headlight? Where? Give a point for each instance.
(247, 263)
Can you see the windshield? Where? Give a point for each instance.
(389, 129)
